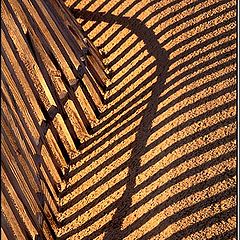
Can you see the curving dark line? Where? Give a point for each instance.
(160, 124)
(153, 178)
(231, 234)
(139, 222)
(123, 205)
(188, 211)
(219, 217)
(163, 97)
(144, 129)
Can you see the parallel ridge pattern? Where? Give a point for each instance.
(53, 83)
(161, 164)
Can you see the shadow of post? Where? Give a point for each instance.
(139, 145)
(124, 206)
(161, 64)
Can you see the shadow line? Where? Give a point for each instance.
(144, 130)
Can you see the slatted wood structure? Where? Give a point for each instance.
(52, 82)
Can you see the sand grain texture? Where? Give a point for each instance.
(161, 163)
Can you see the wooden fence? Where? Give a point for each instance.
(52, 83)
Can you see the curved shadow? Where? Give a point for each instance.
(144, 129)
(138, 148)
(161, 64)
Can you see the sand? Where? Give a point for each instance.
(161, 162)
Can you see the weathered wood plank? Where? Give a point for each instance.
(24, 189)
(12, 219)
(59, 105)
(43, 32)
(13, 63)
(18, 143)
(53, 84)
(26, 215)
(3, 234)
(19, 42)
(5, 225)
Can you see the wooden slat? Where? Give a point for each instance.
(22, 121)
(28, 165)
(9, 52)
(3, 234)
(94, 71)
(25, 219)
(18, 112)
(6, 226)
(53, 84)
(19, 100)
(42, 108)
(43, 32)
(23, 189)
(11, 218)
(26, 56)
(84, 42)
(59, 104)
(18, 174)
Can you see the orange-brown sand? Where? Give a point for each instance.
(161, 163)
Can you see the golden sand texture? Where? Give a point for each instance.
(161, 161)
